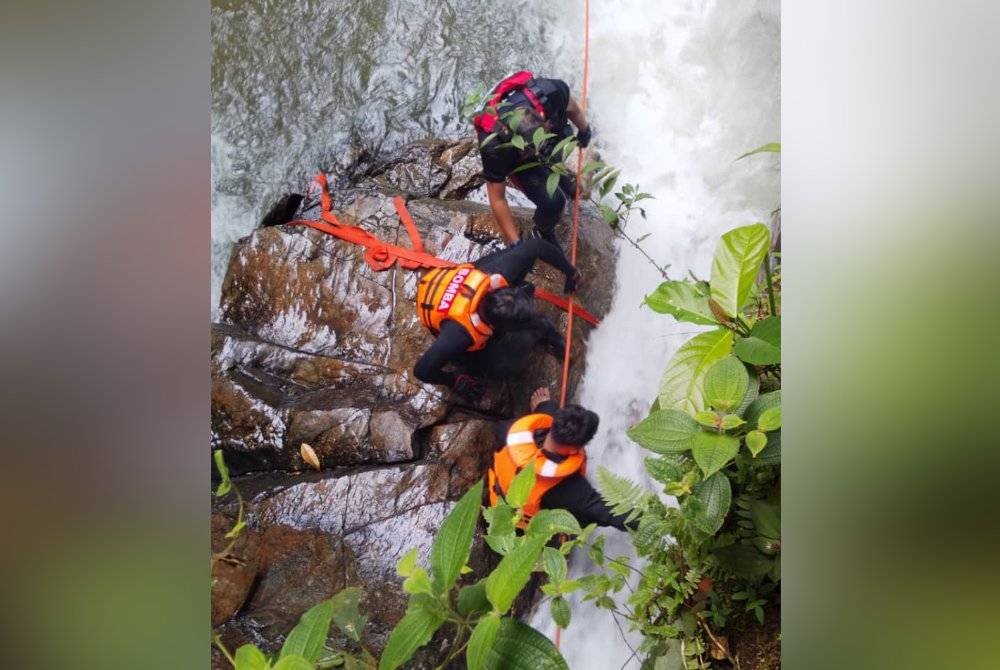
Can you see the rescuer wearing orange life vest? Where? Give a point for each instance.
(554, 439)
(538, 103)
(484, 319)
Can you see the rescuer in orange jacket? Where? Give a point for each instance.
(483, 317)
(554, 439)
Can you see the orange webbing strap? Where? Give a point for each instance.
(381, 255)
(576, 224)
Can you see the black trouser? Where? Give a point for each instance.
(548, 208)
(505, 356)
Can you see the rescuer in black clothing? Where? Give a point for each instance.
(573, 493)
(518, 328)
(542, 103)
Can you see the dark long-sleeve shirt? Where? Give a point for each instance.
(453, 341)
(574, 493)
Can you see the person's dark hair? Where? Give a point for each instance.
(574, 425)
(511, 305)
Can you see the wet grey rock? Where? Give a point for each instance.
(315, 347)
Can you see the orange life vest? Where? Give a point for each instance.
(455, 294)
(521, 450)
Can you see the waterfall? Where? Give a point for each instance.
(677, 91)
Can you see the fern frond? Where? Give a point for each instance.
(623, 495)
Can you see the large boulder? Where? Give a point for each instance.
(315, 347)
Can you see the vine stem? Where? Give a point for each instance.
(719, 645)
(642, 251)
(225, 652)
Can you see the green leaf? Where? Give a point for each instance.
(712, 451)
(771, 147)
(623, 495)
(345, 612)
(756, 441)
(538, 137)
(726, 384)
(521, 647)
(518, 142)
(731, 421)
(609, 215)
(708, 418)
(235, 531)
(763, 346)
(500, 534)
(737, 260)
(525, 166)
(662, 470)
(505, 582)
(486, 140)
(519, 489)
(683, 381)
(549, 522)
(770, 419)
(220, 464)
(293, 662)
(481, 640)
(753, 390)
(249, 657)
(554, 563)
(683, 300)
(760, 405)
(561, 147)
(666, 431)
(766, 519)
(406, 564)
(772, 452)
(608, 182)
(309, 634)
(715, 494)
(413, 631)
(552, 183)
(472, 598)
(418, 581)
(453, 540)
(743, 560)
(560, 611)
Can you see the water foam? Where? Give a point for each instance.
(677, 92)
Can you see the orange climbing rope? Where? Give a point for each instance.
(576, 225)
(381, 255)
(576, 204)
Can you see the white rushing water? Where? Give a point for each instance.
(677, 91)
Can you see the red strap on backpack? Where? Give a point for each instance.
(517, 81)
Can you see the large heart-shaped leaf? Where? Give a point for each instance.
(453, 540)
(726, 384)
(666, 431)
(763, 347)
(737, 260)
(682, 384)
(521, 647)
(684, 300)
(712, 451)
(715, 494)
